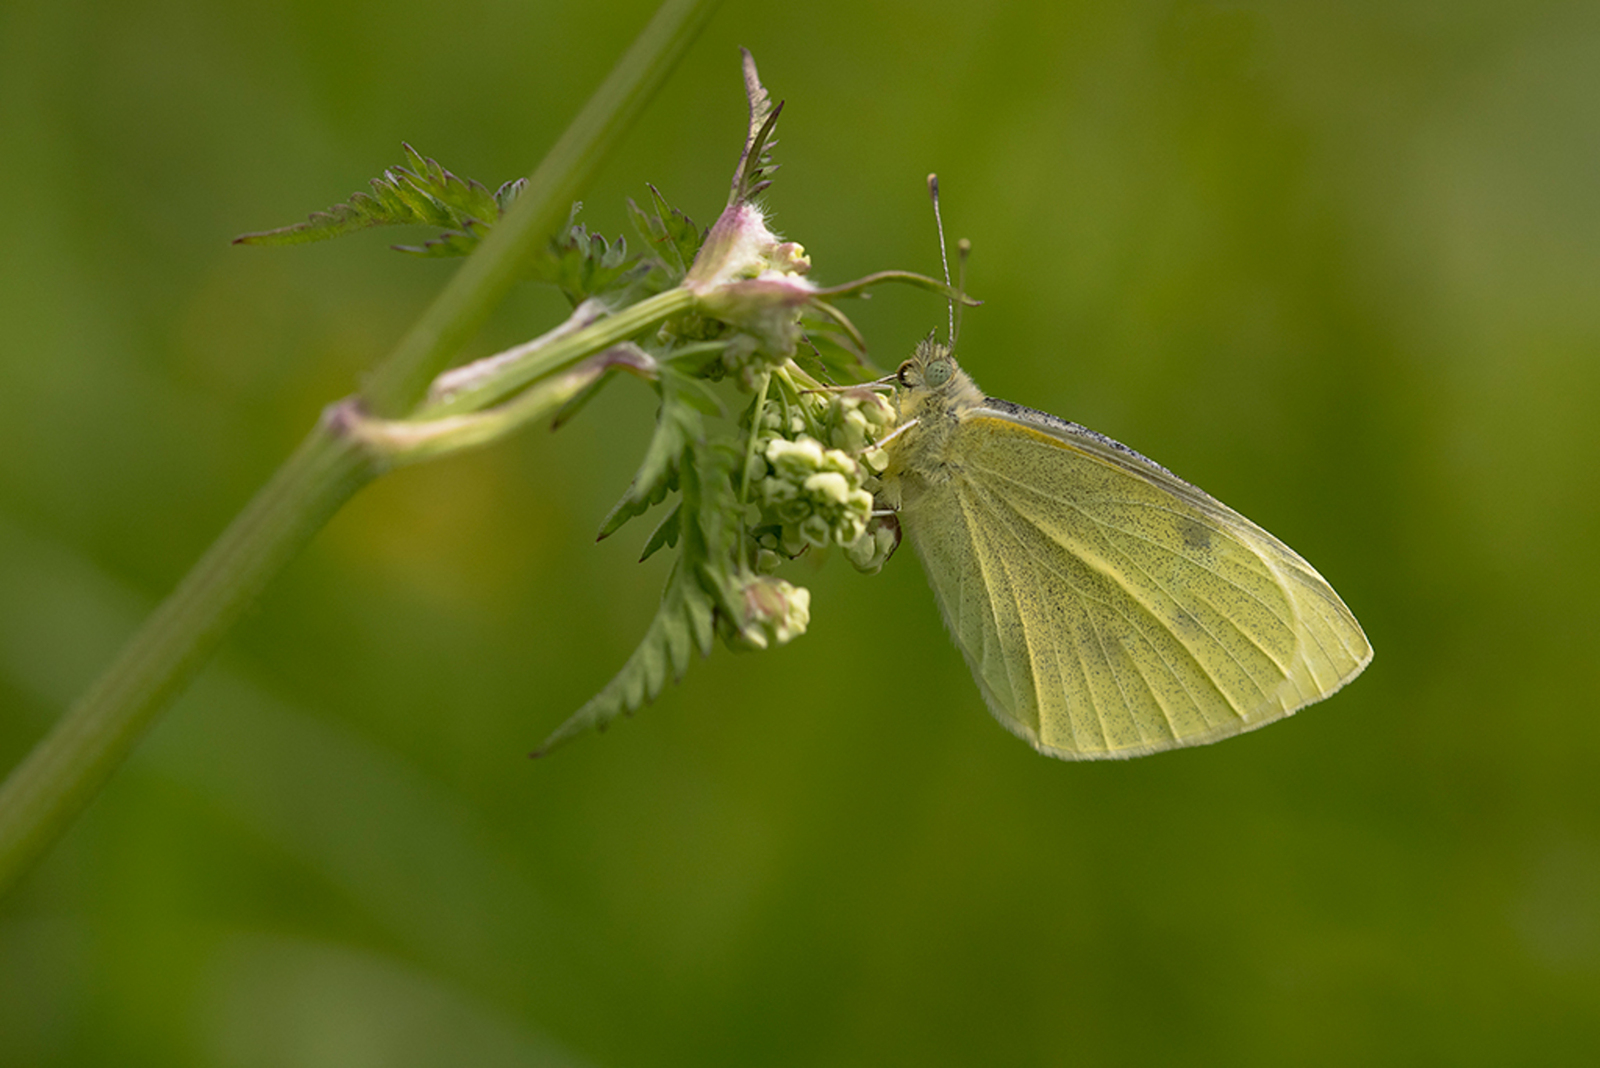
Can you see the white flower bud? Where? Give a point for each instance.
(848, 529)
(840, 461)
(774, 611)
(830, 486)
(869, 552)
(794, 459)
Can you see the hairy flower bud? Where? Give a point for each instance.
(746, 277)
(774, 612)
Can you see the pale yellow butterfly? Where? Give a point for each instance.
(1107, 607)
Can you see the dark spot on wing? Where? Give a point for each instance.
(1184, 625)
(1196, 536)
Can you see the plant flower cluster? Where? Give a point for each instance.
(812, 474)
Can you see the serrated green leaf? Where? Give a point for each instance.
(462, 199)
(709, 491)
(448, 243)
(671, 236)
(707, 508)
(686, 234)
(636, 502)
(678, 424)
(755, 169)
(665, 536)
(687, 618)
(682, 624)
(698, 392)
(421, 194)
(509, 192)
(583, 264)
(832, 358)
(702, 618)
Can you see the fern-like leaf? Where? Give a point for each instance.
(700, 589)
(831, 357)
(685, 622)
(679, 423)
(672, 236)
(755, 169)
(583, 264)
(420, 194)
(665, 536)
(507, 194)
(449, 243)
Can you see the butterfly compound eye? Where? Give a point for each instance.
(937, 374)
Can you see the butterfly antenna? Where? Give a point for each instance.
(963, 250)
(944, 260)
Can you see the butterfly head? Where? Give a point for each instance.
(932, 368)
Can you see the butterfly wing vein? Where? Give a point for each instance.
(1110, 611)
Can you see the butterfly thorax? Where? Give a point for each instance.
(934, 393)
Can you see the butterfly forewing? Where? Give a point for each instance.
(1108, 608)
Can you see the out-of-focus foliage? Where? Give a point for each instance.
(422, 194)
(1337, 263)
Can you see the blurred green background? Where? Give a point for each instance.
(1338, 263)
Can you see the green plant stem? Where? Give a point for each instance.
(43, 794)
(393, 442)
(510, 377)
(483, 280)
(757, 410)
(68, 767)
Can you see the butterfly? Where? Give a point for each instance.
(1107, 608)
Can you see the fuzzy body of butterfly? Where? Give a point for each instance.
(1107, 608)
